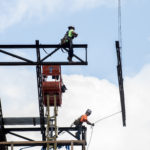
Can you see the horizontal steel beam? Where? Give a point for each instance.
(39, 129)
(42, 46)
(22, 121)
(42, 143)
(41, 63)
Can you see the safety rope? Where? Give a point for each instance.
(45, 51)
(48, 53)
(92, 128)
(107, 117)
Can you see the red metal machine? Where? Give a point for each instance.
(52, 84)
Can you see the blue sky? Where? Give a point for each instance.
(96, 23)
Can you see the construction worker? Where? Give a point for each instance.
(78, 123)
(67, 41)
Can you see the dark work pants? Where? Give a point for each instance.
(69, 45)
(70, 53)
(79, 131)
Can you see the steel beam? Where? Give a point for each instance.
(120, 82)
(60, 129)
(21, 121)
(41, 46)
(42, 143)
(75, 56)
(2, 130)
(16, 56)
(40, 94)
(41, 63)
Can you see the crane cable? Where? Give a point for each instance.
(120, 26)
(92, 128)
(119, 23)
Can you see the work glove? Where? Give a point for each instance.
(93, 124)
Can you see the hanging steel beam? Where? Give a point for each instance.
(120, 82)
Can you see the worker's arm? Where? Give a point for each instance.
(75, 34)
(88, 122)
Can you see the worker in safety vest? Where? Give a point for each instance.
(67, 41)
(78, 123)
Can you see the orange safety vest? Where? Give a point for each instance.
(83, 118)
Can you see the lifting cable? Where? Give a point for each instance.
(92, 129)
(120, 26)
(119, 23)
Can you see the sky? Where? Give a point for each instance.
(96, 22)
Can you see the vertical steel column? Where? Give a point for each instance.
(40, 95)
(2, 130)
(120, 81)
(86, 54)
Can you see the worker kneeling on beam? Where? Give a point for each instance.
(78, 122)
(67, 41)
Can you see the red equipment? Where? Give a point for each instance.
(53, 86)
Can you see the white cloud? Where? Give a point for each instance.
(13, 12)
(88, 92)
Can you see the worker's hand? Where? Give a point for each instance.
(93, 124)
(75, 35)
